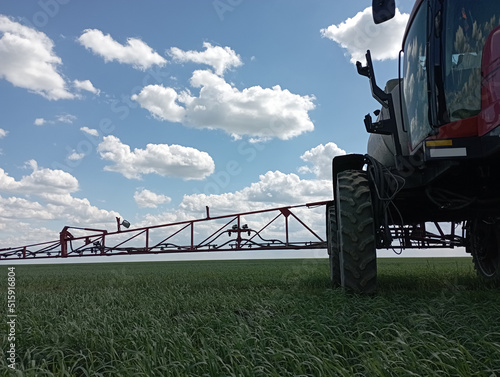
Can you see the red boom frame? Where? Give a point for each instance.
(125, 242)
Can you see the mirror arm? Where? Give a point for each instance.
(384, 126)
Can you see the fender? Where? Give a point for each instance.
(346, 162)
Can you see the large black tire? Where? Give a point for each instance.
(484, 245)
(355, 221)
(332, 243)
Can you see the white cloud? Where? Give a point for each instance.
(90, 131)
(161, 102)
(262, 113)
(3, 133)
(78, 210)
(358, 34)
(272, 189)
(29, 62)
(220, 58)
(21, 232)
(148, 199)
(61, 207)
(39, 122)
(86, 85)
(277, 187)
(53, 190)
(166, 160)
(75, 156)
(320, 158)
(164, 218)
(65, 118)
(61, 118)
(39, 181)
(135, 52)
(20, 208)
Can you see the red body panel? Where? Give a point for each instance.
(461, 128)
(490, 86)
(489, 118)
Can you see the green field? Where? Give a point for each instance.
(431, 317)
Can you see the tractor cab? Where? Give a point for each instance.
(450, 63)
(443, 51)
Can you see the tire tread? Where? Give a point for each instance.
(357, 232)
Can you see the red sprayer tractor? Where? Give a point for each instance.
(430, 178)
(431, 175)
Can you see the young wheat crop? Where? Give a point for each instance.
(253, 318)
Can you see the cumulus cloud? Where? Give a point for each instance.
(148, 199)
(162, 159)
(29, 62)
(219, 58)
(17, 232)
(320, 160)
(65, 207)
(22, 232)
(90, 131)
(39, 122)
(274, 188)
(39, 181)
(261, 113)
(78, 210)
(3, 133)
(278, 187)
(86, 85)
(20, 208)
(75, 156)
(359, 33)
(162, 102)
(45, 194)
(135, 52)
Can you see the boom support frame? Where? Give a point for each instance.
(227, 233)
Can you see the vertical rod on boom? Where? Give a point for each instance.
(192, 235)
(286, 230)
(63, 238)
(238, 237)
(103, 241)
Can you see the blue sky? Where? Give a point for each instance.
(151, 110)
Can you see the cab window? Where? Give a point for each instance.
(415, 78)
(468, 24)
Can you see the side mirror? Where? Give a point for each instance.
(383, 10)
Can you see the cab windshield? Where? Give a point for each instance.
(467, 25)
